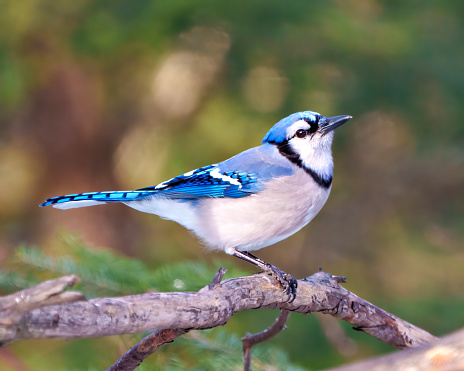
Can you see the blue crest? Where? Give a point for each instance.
(278, 132)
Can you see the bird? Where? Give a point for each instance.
(249, 201)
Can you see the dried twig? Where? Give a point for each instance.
(144, 348)
(44, 294)
(250, 340)
(13, 307)
(216, 282)
(157, 339)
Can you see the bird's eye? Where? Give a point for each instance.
(301, 133)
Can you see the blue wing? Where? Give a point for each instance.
(239, 176)
(208, 181)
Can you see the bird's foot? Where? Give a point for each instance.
(286, 281)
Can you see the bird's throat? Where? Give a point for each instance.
(287, 151)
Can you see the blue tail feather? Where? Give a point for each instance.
(116, 196)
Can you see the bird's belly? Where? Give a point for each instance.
(182, 212)
(260, 220)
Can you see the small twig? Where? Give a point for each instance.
(13, 307)
(44, 294)
(249, 341)
(216, 282)
(144, 348)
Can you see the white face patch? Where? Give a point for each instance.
(315, 151)
(300, 124)
(218, 175)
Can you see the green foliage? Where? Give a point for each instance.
(104, 273)
(217, 349)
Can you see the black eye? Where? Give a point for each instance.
(301, 133)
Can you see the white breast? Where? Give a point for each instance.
(250, 223)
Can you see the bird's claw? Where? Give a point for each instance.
(286, 280)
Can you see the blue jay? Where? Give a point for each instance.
(252, 200)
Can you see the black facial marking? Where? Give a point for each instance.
(286, 150)
(313, 125)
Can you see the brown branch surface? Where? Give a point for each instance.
(446, 354)
(44, 294)
(207, 308)
(13, 307)
(144, 348)
(150, 344)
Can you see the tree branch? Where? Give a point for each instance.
(446, 353)
(150, 344)
(249, 341)
(145, 347)
(211, 306)
(13, 307)
(47, 293)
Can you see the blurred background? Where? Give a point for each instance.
(115, 95)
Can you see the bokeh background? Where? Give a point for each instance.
(111, 95)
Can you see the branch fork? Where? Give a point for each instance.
(46, 311)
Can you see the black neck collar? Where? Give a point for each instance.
(287, 151)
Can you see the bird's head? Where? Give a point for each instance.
(306, 139)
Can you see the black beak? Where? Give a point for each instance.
(332, 123)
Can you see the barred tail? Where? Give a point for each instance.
(94, 198)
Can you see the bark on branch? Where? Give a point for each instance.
(446, 354)
(71, 318)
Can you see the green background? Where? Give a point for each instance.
(108, 95)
